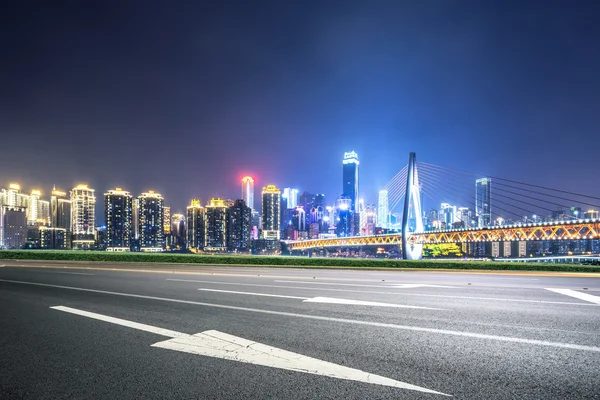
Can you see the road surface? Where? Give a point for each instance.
(102, 331)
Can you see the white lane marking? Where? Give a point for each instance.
(577, 295)
(328, 300)
(254, 294)
(416, 285)
(122, 322)
(394, 293)
(385, 286)
(328, 319)
(331, 300)
(334, 284)
(217, 344)
(222, 345)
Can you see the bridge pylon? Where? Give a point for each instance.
(412, 217)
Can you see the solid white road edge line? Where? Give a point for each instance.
(570, 303)
(217, 344)
(329, 319)
(327, 300)
(577, 295)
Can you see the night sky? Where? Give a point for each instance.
(186, 97)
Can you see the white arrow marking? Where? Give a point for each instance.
(228, 347)
(577, 295)
(328, 300)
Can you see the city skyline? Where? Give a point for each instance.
(381, 89)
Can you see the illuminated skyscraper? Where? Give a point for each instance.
(178, 235)
(167, 220)
(248, 191)
(60, 211)
(271, 212)
(195, 226)
(383, 209)
(368, 220)
(299, 219)
(33, 208)
(448, 215)
(290, 196)
(151, 221)
(118, 214)
(12, 197)
(83, 216)
(483, 198)
(216, 225)
(350, 175)
(13, 217)
(239, 227)
(38, 210)
(343, 218)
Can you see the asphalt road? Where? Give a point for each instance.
(102, 331)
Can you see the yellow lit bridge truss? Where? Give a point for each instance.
(563, 230)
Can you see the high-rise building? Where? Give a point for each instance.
(118, 214)
(299, 219)
(290, 195)
(467, 218)
(248, 191)
(319, 200)
(167, 220)
(13, 227)
(307, 201)
(151, 221)
(383, 209)
(38, 210)
(60, 211)
(255, 223)
(195, 226)
(216, 225)
(239, 227)
(83, 216)
(368, 220)
(448, 215)
(271, 212)
(350, 175)
(53, 238)
(33, 208)
(178, 234)
(343, 218)
(483, 198)
(135, 222)
(13, 198)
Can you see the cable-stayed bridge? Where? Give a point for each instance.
(496, 214)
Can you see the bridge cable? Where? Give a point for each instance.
(511, 181)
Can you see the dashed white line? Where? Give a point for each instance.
(327, 300)
(392, 293)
